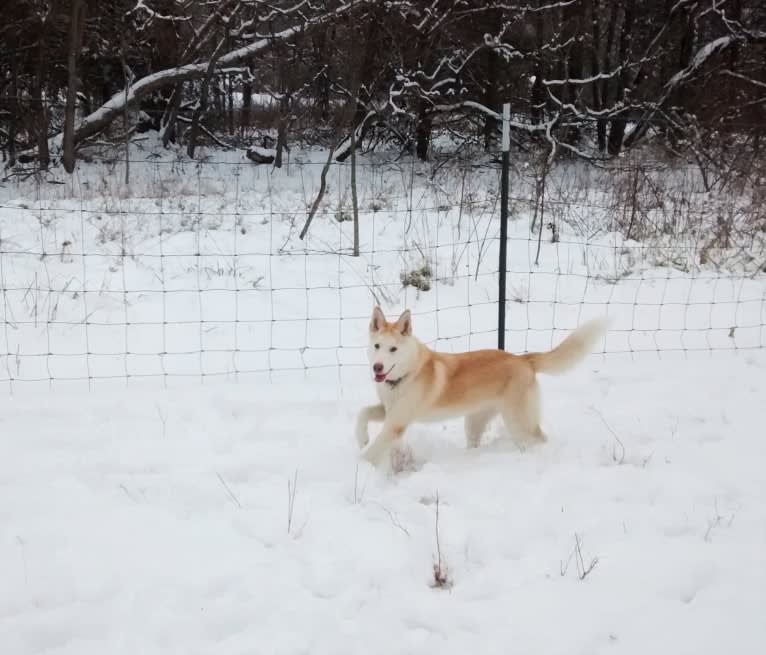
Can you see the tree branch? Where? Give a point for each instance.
(104, 115)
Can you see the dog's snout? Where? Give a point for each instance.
(378, 367)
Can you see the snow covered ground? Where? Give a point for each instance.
(197, 270)
(225, 361)
(137, 522)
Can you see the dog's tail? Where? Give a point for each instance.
(576, 347)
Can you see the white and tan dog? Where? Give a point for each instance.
(416, 384)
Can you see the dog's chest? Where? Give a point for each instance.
(398, 401)
(388, 395)
(385, 393)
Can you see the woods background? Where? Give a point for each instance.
(585, 78)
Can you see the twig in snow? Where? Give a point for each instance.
(717, 520)
(582, 570)
(128, 494)
(164, 419)
(291, 489)
(576, 554)
(618, 450)
(392, 516)
(441, 574)
(229, 491)
(711, 524)
(359, 493)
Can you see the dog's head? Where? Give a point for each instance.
(392, 349)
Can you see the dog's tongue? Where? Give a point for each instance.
(379, 377)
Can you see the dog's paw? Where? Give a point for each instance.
(472, 442)
(362, 437)
(402, 459)
(377, 453)
(371, 456)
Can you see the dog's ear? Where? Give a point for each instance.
(404, 324)
(378, 319)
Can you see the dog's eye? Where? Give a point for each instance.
(392, 349)
(377, 345)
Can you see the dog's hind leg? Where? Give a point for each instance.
(475, 424)
(367, 414)
(521, 414)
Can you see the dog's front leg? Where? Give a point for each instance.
(380, 449)
(367, 414)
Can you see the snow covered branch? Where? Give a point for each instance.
(104, 115)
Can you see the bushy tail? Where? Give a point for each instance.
(576, 347)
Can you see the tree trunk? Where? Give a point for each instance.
(322, 81)
(617, 126)
(735, 12)
(423, 133)
(128, 75)
(574, 26)
(538, 92)
(365, 72)
(41, 127)
(358, 120)
(14, 112)
(169, 121)
(231, 103)
(218, 103)
(616, 134)
(354, 196)
(607, 66)
(247, 103)
(595, 69)
(284, 117)
(76, 25)
(201, 107)
(491, 101)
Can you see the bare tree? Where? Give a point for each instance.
(76, 25)
(594, 77)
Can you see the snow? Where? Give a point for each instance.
(263, 152)
(157, 522)
(168, 373)
(700, 57)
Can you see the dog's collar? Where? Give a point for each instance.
(395, 383)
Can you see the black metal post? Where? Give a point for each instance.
(503, 226)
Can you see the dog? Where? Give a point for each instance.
(417, 384)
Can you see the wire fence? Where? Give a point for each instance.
(158, 267)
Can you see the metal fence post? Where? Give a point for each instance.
(503, 225)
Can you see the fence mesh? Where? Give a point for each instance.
(195, 268)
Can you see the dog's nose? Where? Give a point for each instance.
(378, 368)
